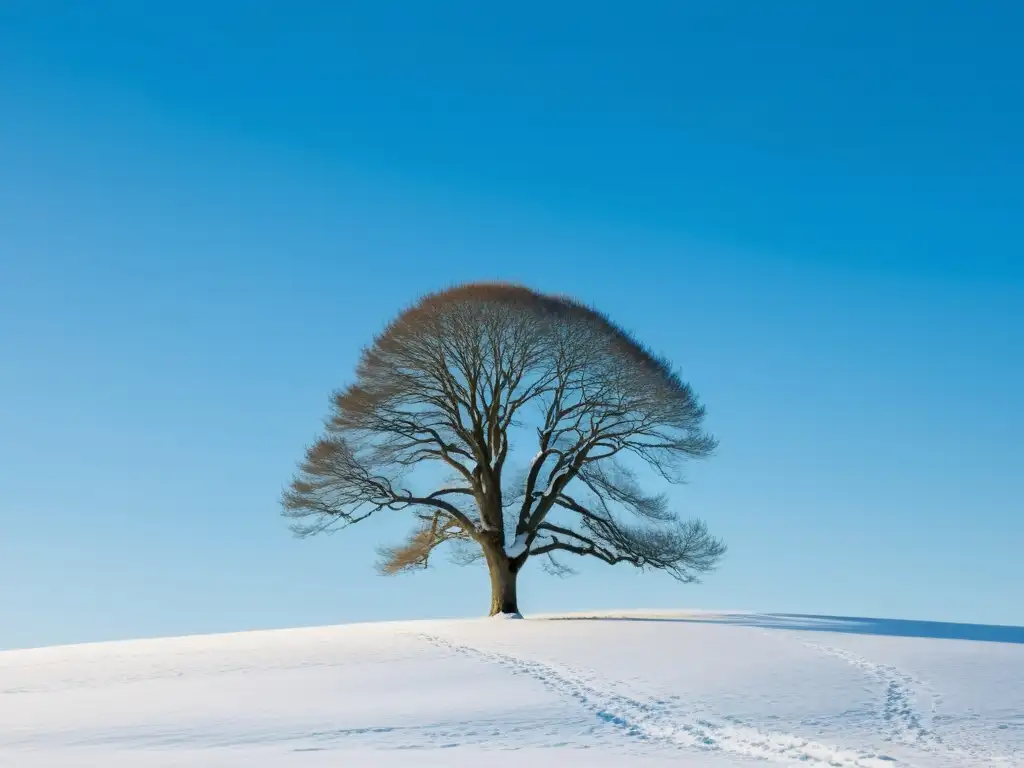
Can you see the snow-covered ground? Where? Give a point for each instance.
(636, 689)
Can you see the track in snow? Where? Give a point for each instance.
(902, 720)
(657, 721)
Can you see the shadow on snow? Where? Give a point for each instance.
(847, 624)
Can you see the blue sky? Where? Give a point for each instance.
(207, 209)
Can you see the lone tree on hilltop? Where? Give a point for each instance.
(457, 382)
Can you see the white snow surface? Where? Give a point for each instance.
(517, 547)
(643, 689)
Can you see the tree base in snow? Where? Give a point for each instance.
(507, 616)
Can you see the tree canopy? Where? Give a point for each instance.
(462, 381)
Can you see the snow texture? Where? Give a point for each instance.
(517, 547)
(638, 689)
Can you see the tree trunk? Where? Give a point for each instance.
(503, 585)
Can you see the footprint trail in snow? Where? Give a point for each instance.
(653, 720)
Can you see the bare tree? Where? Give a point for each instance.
(456, 382)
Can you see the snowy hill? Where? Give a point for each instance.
(637, 689)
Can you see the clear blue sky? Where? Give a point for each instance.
(206, 209)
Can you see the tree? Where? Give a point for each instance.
(456, 382)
